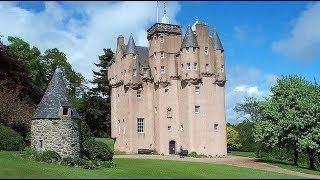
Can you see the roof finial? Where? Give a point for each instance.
(157, 12)
(165, 18)
(196, 18)
(164, 8)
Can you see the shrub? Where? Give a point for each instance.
(10, 139)
(96, 150)
(73, 162)
(48, 156)
(193, 154)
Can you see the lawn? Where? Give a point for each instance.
(242, 154)
(12, 166)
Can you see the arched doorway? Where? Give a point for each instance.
(172, 147)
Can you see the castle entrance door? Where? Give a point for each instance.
(172, 147)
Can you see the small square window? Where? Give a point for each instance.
(197, 89)
(197, 109)
(161, 39)
(187, 50)
(162, 70)
(195, 65)
(139, 94)
(188, 66)
(215, 127)
(134, 72)
(169, 128)
(166, 91)
(206, 50)
(207, 67)
(194, 50)
(162, 54)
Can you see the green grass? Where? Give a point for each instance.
(12, 166)
(242, 154)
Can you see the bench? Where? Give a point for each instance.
(144, 151)
(185, 152)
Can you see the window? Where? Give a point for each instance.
(41, 144)
(197, 109)
(215, 127)
(188, 66)
(161, 39)
(124, 127)
(207, 67)
(155, 109)
(162, 70)
(134, 72)
(125, 73)
(134, 56)
(181, 127)
(222, 68)
(169, 113)
(155, 70)
(139, 94)
(169, 128)
(206, 50)
(181, 67)
(65, 111)
(166, 91)
(197, 89)
(194, 50)
(140, 125)
(161, 54)
(144, 71)
(119, 130)
(155, 55)
(155, 39)
(195, 65)
(187, 50)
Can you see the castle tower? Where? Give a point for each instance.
(55, 123)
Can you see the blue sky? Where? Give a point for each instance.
(262, 40)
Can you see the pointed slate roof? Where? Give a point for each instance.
(55, 96)
(131, 48)
(189, 39)
(216, 40)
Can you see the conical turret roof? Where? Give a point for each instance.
(216, 40)
(56, 96)
(131, 48)
(189, 39)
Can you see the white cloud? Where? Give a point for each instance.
(304, 39)
(81, 29)
(244, 82)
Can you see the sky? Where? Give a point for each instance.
(263, 41)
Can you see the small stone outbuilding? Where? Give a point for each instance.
(55, 124)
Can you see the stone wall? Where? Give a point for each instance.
(59, 135)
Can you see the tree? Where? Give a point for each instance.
(96, 106)
(282, 116)
(248, 108)
(54, 58)
(245, 130)
(31, 57)
(233, 139)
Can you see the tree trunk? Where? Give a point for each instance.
(296, 156)
(311, 158)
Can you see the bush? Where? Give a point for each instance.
(49, 156)
(10, 139)
(96, 150)
(73, 162)
(196, 155)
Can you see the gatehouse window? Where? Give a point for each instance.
(140, 125)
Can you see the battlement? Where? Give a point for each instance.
(162, 27)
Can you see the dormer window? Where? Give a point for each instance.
(194, 50)
(206, 50)
(161, 39)
(155, 39)
(134, 56)
(65, 111)
(187, 50)
(162, 54)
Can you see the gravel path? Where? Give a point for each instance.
(230, 160)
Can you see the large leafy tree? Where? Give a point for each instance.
(282, 116)
(31, 57)
(248, 110)
(233, 139)
(96, 106)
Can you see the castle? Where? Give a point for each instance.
(55, 123)
(171, 93)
